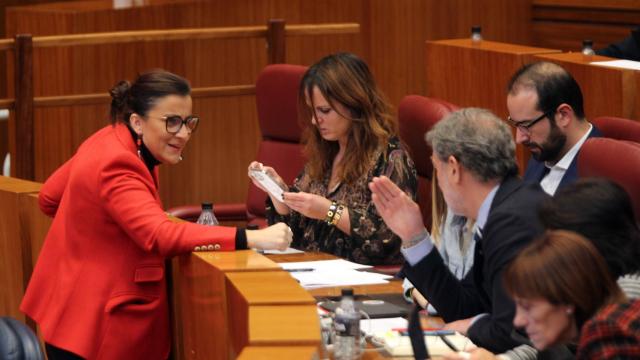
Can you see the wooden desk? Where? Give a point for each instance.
(476, 74)
(231, 300)
(18, 199)
(393, 287)
(606, 91)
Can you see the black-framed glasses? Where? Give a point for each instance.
(525, 125)
(174, 123)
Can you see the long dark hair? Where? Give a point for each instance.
(139, 97)
(344, 78)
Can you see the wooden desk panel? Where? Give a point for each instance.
(284, 325)
(200, 307)
(476, 74)
(247, 291)
(279, 353)
(15, 253)
(606, 91)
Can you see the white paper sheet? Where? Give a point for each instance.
(325, 273)
(373, 326)
(282, 252)
(336, 265)
(620, 64)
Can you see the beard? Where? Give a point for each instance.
(550, 149)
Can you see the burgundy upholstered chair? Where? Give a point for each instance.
(616, 160)
(416, 116)
(618, 128)
(277, 103)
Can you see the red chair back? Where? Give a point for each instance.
(618, 128)
(277, 104)
(416, 116)
(616, 160)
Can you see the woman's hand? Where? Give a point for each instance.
(274, 237)
(269, 171)
(309, 205)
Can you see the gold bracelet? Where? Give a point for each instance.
(337, 215)
(331, 212)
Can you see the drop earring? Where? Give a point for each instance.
(139, 145)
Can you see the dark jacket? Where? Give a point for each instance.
(512, 223)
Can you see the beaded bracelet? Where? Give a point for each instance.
(331, 212)
(337, 215)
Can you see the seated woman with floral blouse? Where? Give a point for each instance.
(349, 138)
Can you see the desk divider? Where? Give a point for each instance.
(467, 73)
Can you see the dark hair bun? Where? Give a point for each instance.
(119, 94)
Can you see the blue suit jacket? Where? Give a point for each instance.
(535, 169)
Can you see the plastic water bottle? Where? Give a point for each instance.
(587, 48)
(476, 34)
(206, 216)
(346, 327)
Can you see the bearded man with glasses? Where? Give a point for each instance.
(546, 108)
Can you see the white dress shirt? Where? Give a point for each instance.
(552, 180)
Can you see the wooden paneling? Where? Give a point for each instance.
(476, 74)
(215, 162)
(563, 24)
(15, 244)
(4, 140)
(398, 30)
(391, 40)
(606, 91)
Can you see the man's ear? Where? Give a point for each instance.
(565, 115)
(135, 121)
(453, 170)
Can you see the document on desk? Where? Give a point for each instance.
(321, 265)
(287, 251)
(378, 326)
(326, 273)
(620, 64)
(398, 345)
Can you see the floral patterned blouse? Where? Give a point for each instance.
(371, 241)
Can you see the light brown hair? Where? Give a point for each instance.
(344, 78)
(563, 268)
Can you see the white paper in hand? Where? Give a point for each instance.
(268, 183)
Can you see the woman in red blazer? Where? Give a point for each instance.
(98, 288)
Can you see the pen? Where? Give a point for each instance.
(298, 270)
(432, 332)
(449, 343)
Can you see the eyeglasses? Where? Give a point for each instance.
(174, 123)
(525, 125)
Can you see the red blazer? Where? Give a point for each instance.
(98, 288)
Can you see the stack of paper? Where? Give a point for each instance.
(398, 345)
(326, 273)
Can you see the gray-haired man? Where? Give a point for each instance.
(474, 158)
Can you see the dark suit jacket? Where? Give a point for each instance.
(535, 169)
(628, 48)
(511, 225)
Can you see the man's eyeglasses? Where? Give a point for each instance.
(525, 125)
(174, 123)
